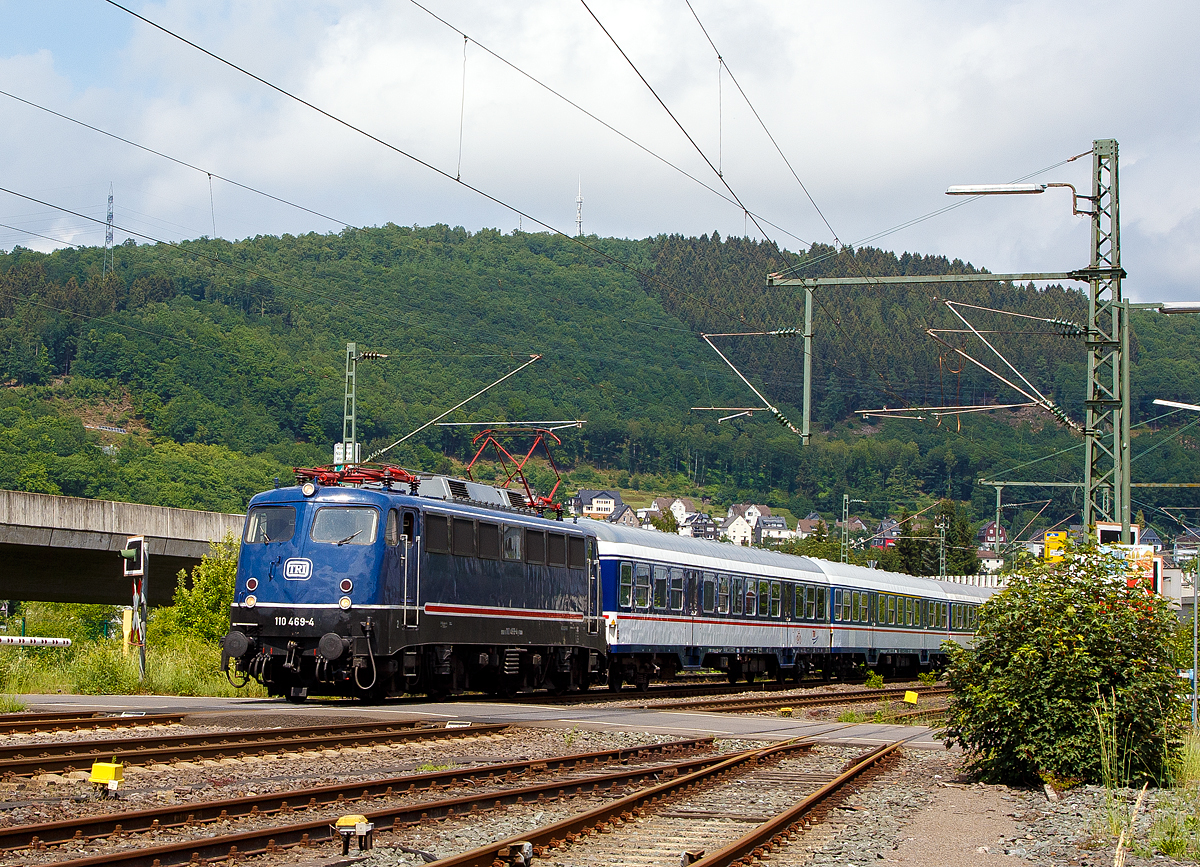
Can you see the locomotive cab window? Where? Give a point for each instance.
(575, 552)
(409, 526)
(391, 532)
(557, 549)
(512, 543)
(535, 546)
(625, 594)
(345, 525)
(488, 537)
(271, 524)
(437, 534)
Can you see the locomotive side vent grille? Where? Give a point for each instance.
(516, 499)
(458, 489)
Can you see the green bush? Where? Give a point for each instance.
(199, 611)
(1064, 656)
(874, 680)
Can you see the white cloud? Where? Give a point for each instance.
(879, 105)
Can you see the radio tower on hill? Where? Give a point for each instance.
(579, 212)
(108, 238)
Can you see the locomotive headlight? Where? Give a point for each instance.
(308, 489)
(251, 601)
(344, 603)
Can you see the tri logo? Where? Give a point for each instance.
(297, 569)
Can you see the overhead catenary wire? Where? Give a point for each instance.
(671, 114)
(419, 161)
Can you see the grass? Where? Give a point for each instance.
(11, 704)
(101, 668)
(851, 716)
(1175, 829)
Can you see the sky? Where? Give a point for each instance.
(878, 107)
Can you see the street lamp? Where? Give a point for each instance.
(1195, 570)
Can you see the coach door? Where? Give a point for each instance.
(410, 542)
(594, 613)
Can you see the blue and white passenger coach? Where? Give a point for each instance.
(672, 603)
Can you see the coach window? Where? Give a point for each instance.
(660, 587)
(676, 590)
(764, 598)
(535, 546)
(641, 586)
(847, 606)
(837, 605)
(723, 594)
(708, 593)
(735, 594)
(776, 608)
(823, 604)
(891, 618)
(437, 534)
(464, 537)
(557, 550)
(810, 605)
(625, 595)
(488, 536)
(575, 552)
(882, 613)
(908, 611)
(512, 543)
(865, 610)
(854, 600)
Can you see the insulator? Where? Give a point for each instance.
(1067, 328)
(785, 332)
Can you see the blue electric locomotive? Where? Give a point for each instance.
(371, 592)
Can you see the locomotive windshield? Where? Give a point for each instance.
(271, 524)
(345, 525)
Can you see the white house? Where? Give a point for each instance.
(771, 529)
(737, 530)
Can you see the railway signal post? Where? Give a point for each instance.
(136, 567)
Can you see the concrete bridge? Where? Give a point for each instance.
(64, 549)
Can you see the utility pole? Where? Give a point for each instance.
(348, 451)
(942, 524)
(996, 543)
(806, 422)
(846, 501)
(1106, 425)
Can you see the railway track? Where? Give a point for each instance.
(273, 838)
(739, 705)
(196, 813)
(34, 758)
(17, 723)
(664, 823)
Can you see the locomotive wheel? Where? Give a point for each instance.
(615, 681)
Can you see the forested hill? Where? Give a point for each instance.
(225, 362)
